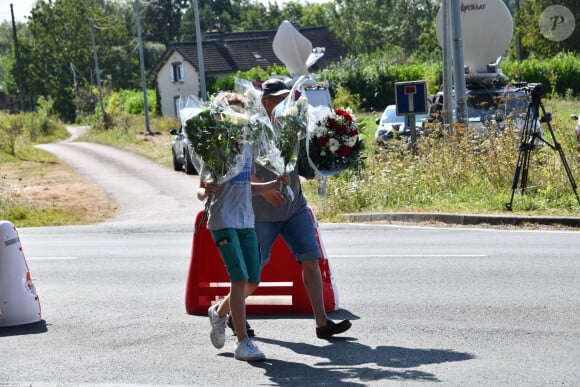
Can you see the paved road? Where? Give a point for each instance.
(442, 306)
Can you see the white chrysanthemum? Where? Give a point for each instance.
(333, 145)
(320, 131)
(235, 118)
(352, 141)
(302, 102)
(291, 111)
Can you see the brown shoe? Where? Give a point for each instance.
(331, 328)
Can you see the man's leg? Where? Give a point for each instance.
(313, 283)
(299, 234)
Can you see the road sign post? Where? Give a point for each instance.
(411, 99)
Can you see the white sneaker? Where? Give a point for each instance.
(247, 350)
(218, 327)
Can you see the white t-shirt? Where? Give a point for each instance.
(231, 206)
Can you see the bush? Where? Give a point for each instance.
(373, 82)
(560, 75)
(11, 129)
(130, 101)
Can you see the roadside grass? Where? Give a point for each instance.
(455, 173)
(458, 173)
(128, 132)
(36, 188)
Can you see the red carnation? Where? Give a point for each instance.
(342, 129)
(331, 123)
(344, 114)
(343, 150)
(322, 141)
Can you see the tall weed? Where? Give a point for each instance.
(459, 172)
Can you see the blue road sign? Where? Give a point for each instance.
(411, 98)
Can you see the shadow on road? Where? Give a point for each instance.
(344, 358)
(27, 329)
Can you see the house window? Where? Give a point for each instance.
(177, 73)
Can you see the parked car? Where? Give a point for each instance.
(390, 125)
(489, 108)
(576, 117)
(181, 152)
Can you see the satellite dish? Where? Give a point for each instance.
(292, 48)
(487, 29)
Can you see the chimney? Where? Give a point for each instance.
(214, 34)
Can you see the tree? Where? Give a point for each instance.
(60, 41)
(364, 27)
(161, 20)
(532, 40)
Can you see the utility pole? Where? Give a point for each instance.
(199, 52)
(447, 112)
(97, 67)
(74, 71)
(18, 64)
(458, 65)
(518, 37)
(142, 61)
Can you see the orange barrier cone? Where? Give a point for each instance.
(19, 303)
(281, 289)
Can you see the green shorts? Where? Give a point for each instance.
(239, 250)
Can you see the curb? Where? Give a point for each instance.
(462, 219)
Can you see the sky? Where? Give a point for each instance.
(22, 8)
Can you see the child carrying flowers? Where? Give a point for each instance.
(231, 221)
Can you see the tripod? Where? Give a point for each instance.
(530, 133)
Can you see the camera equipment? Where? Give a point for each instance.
(532, 132)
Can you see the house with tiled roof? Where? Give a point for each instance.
(225, 53)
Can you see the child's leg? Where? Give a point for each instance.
(252, 262)
(237, 301)
(225, 308)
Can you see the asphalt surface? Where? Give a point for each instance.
(449, 306)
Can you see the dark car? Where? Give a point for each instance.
(181, 152)
(487, 109)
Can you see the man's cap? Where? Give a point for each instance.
(275, 87)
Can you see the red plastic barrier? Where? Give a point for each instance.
(281, 289)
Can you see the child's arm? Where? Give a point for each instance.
(206, 189)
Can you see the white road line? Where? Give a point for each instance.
(51, 258)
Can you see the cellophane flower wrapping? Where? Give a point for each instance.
(290, 119)
(334, 142)
(266, 152)
(217, 132)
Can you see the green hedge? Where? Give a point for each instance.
(373, 82)
(560, 74)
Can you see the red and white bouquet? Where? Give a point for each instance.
(334, 140)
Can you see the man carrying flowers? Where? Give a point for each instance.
(276, 215)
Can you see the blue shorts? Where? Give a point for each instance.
(297, 232)
(239, 250)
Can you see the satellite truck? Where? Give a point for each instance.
(296, 52)
(487, 30)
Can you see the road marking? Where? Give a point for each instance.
(408, 255)
(52, 258)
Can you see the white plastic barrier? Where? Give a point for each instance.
(19, 302)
